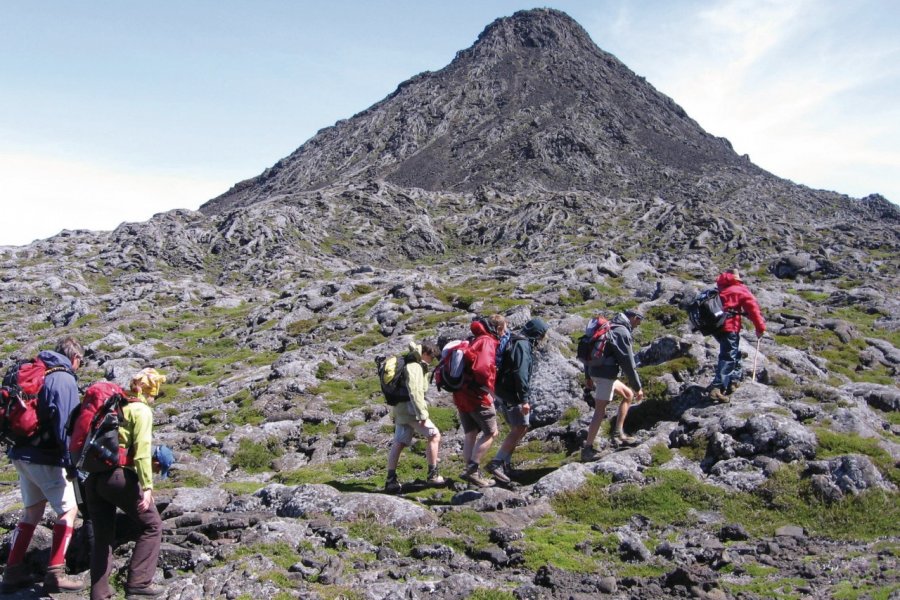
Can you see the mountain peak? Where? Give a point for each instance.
(533, 104)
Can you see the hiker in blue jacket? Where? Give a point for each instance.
(42, 464)
(512, 391)
(601, 377)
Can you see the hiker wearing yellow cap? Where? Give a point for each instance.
(130, 488)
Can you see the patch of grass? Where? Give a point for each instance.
(364, 341)
(832, 443)
(787, 499)
(255, 457)
(668, 499)
(324, 369)
(660, 454)
(553, 541)
(765, 587)
(302, 326)
(446, 419)
(491, 594)
(569, 416)
(861, 590)
(281, 553)
(243, 488)
(186, 478)
(345, 395)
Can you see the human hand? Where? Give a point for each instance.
(759, 333)
(639, 396)
(146, 501)
(526, 408)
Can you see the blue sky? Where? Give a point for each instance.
(113, 111)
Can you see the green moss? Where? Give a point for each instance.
(832, 443)
(660, 454)
(364, 341)
(668, 499)
(490, 594)
(552, 541)
(861, 590)
(444, 418)
(569, 416)
(243, 488)
(324, 369)
(281, 553)
(345, 395)
(255, 457)
(787, 499)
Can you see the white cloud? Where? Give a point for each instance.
(50, 194)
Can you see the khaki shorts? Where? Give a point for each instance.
(483, 419)
(44, 482)
(512, 413)
(403, 434)
(603, 389)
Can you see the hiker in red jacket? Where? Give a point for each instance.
(736, 300)
(475, 401)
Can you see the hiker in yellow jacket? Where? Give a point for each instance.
(130, 488)
(411, 416)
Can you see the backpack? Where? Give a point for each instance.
(450, 372)
(592, 343)
(19, 420)
(507, 372)
(706, 313)
(93, 428)
(392, 377)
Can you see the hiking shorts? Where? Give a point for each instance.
(603, 389)
(483, 419)
(512, 413)
(403, 433)
(45, 482)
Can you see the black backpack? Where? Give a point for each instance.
(706, 313)
(392, 377)
(506, 374)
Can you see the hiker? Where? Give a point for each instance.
(737, 300)
(44, 474)
(474, 401)
(511, 394)
(411, 417)
(129, 488)
(163, 459)
(600, 376)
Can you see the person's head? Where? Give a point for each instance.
(727, 278)
(163, 459)
(634, 317)
(536, 330)
(497, 323)
(146, 383)
(429, 351)
(71, 349)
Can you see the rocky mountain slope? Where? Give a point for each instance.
(534, 175)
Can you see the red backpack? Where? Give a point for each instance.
(592, 344)
(450, 373)
(93, 428)
(19, 421)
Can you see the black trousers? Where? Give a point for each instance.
(106, 492)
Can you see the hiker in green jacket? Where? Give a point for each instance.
(411, 417)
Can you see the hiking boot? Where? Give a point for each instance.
(392, 486)
(15, 577)
(620, 439)
(716, 395)
(512, 473)
(434, 478)
(733, 386)
(475, 478)
(56, 580)
(495, 468)
(145, 591)
(589, 454)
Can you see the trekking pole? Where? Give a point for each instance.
(755, 358)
